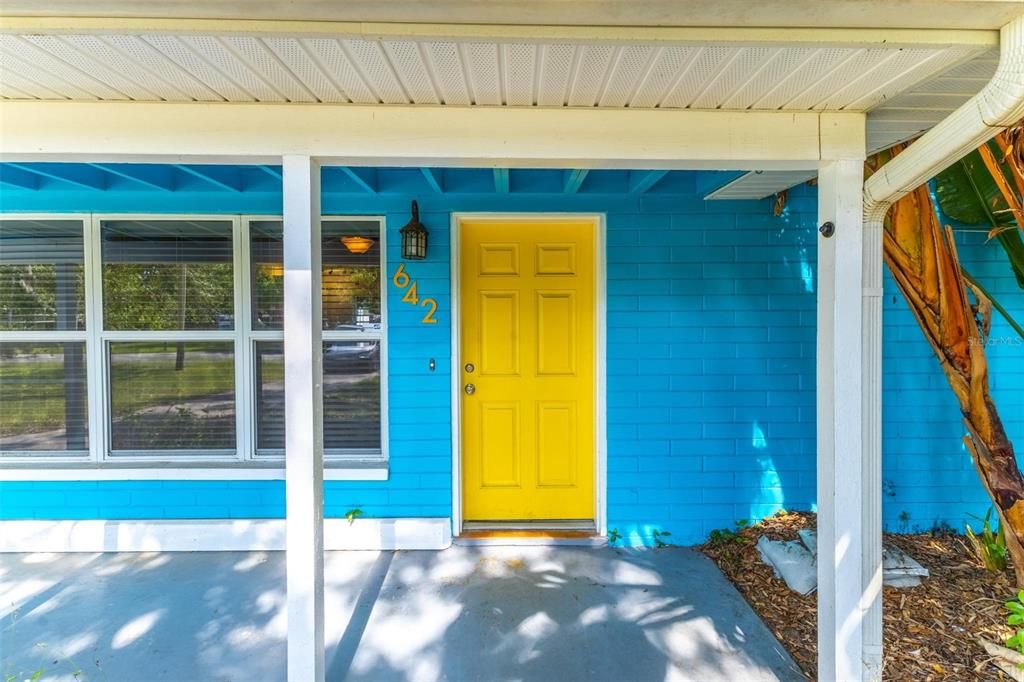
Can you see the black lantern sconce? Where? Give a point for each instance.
(414, 237)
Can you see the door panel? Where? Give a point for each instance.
(556, 443)
(556, 333)
(500, 426)
(499, 333)
(527, 304)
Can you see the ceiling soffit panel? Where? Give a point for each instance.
(248, 68)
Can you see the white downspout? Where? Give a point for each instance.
(997, 106)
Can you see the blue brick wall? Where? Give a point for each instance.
(711, 343)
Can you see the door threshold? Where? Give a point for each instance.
(530, 533)
(544, 525)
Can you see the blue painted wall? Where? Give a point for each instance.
(711, 333)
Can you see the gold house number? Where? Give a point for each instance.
(402, 280)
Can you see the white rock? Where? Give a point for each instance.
(792, 562)
(795, 562)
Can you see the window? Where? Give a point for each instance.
(168, 331)
(352, 336)
(43, 396)
(172, 396)
(42, 285)
(159, 339)
(160, 275)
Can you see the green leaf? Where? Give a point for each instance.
(1015, 619)
(1015, 607)
(1014, 246)
(960, 197)
(1016, 326)
(967, 193)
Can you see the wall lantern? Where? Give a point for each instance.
(357, 245)
(414, 237)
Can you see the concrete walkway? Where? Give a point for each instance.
(467, 613)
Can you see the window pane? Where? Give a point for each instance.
(167, 274)
(172, 395)
(43, 397)
(351, 395)
(269, 395)
(351, 280)
(41, 275)
(267, 265)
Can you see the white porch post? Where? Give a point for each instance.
(843, 514)
(304, 454)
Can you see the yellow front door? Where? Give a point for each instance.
(528, 364)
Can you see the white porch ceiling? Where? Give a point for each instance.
(898, 119)
(240, 68)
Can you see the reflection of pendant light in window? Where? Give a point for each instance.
(274, 270)
(357, 245)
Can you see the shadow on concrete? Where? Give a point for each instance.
(467, 613)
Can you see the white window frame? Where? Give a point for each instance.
(243, 462)
(47, 457)
(106, 338)
(357, 456)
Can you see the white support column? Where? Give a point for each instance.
(304, 452)
(840, 391)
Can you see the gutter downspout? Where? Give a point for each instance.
(997, 106)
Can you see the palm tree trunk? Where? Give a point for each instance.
(922, 258)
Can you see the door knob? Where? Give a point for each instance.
(470, 389)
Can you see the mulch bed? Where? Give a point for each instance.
(930, 631)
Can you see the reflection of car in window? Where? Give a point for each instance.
(353, 354)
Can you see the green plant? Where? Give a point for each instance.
(725, 536)
(659, 536)
(989, 547)
(614, 536)
(1016, 618)
(904, 521)
(352, 514)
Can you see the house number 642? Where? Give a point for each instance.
(402, 280)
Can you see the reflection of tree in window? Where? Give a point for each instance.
(42, 381)
(155, 406)
(167, 275)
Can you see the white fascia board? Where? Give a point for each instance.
(731, 34)
(426, 135)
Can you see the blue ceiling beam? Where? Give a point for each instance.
(17, 178)
(222, 178)
(78, 174)
(641, 181)
(150, 175)
(501, 180)
(574, 179)
(434, 179)
(273, 171)
(365, 179)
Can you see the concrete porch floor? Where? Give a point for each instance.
(466, 613)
